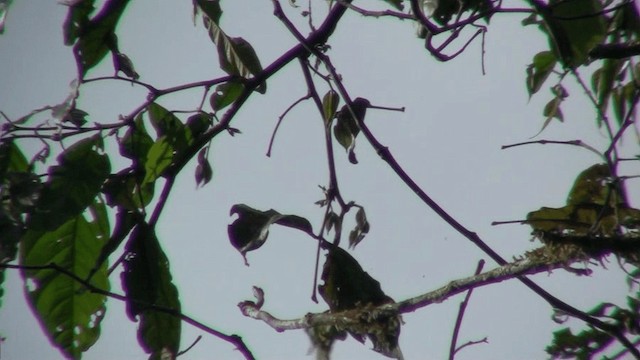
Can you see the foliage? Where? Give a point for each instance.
(56, 228)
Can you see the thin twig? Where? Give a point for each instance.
(453, 349)
(579, 143)
(275, 130)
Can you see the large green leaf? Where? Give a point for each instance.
(574, 28)
(147, 281)
(70, 314)
(72, 185)
(235, 54)
(95, 37)
(251, 229)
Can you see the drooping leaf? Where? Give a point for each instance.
(121, 62)
(72, 184)
(147, 282)
(251, 229)
(346, 128)
(203, 169)
(361, 229)
(603, 81)
(70, 314)
(552, 110)
(347, 286)
(538, 71)
(235, 54)
(330, 103)
(225, 94)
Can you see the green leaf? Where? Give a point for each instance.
(136, 142)
(347, 286)
(574, 28)
(125, 221)
(198, 124)
(97, 36)
(251, 229)
(225, 94)
(147, 281)
(77, 19)
(164, 122)
(552, 110)
(159, 159)
(69, 313)
(603, 81)
(235, 54)
(346, 128)
(211, 8)
(126, 189)
(72, 185)
(538, 71)
(11, 159)
(330, 103)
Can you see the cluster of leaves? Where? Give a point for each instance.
(59, 221)
(577, 32)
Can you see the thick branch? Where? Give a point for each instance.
(351, 317)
